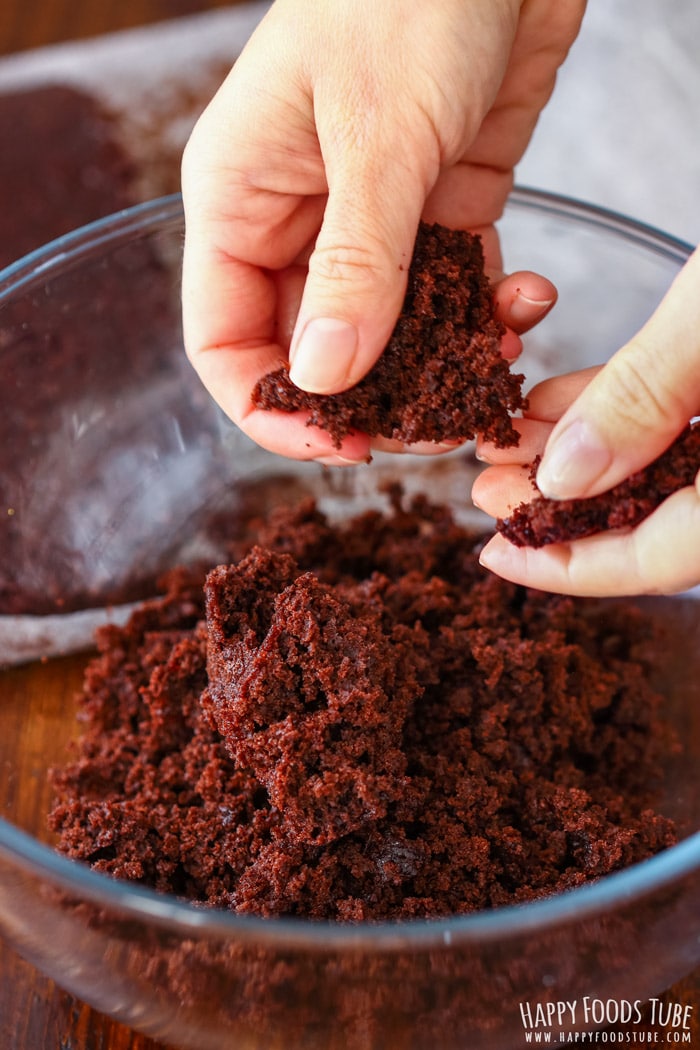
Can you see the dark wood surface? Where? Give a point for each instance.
(35, 23)
(34, 1013)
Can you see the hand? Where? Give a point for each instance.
(596, 428)
(341, 124)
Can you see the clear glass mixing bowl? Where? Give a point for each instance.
(114, 462)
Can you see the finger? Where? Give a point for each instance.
(229, 369)
(550, 399)
(287, 434)
(522, 299)
(511, 345)
(546, 403)
(244, 222)
(358, 270)
(499, 490)
(241, 282)
(533, 438)
(636, 405)
(418, 448)
(660, 556)
(236, 344)
(230, 373)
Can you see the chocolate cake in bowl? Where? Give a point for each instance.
(332, 784)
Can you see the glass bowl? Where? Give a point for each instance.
(115, 466)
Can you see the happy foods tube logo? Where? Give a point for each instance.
(587, 1021)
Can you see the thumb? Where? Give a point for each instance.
(358, 269)
(636, 405)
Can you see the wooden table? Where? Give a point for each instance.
(35, 23)
(34, 1013)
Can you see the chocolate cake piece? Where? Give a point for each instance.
(543, 521)
(61, 165)
(442, 376)
(309, 693)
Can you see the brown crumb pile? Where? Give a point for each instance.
(543, 521)
(442, 375)
(357, 722)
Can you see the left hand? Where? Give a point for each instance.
(596, 428)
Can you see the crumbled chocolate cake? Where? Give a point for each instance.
(543, 521)
(442, 375)
(61, 166)
(358, 723)
(73, 370)
(287, 650)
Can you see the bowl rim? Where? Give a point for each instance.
(67, 250)
(169, 210)
(136, 903)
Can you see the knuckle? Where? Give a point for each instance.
(642, 397)
(348, 265)
(648, 573)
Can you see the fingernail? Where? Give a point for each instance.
(524, 310)
(571, 464)
(340, 461)
(322, 356)
(489, 558)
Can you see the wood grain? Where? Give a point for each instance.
(37, 719)
(35, 23)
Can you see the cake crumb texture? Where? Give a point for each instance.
(442, 375)
(355, 722)
(543, 521)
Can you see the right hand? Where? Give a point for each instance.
(341, 124)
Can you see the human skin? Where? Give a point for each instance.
(595, 428)
(342, 124)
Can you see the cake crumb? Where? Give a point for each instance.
(442, 376)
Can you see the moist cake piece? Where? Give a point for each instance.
(309, 690)
(543, 521)
(442, 376)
